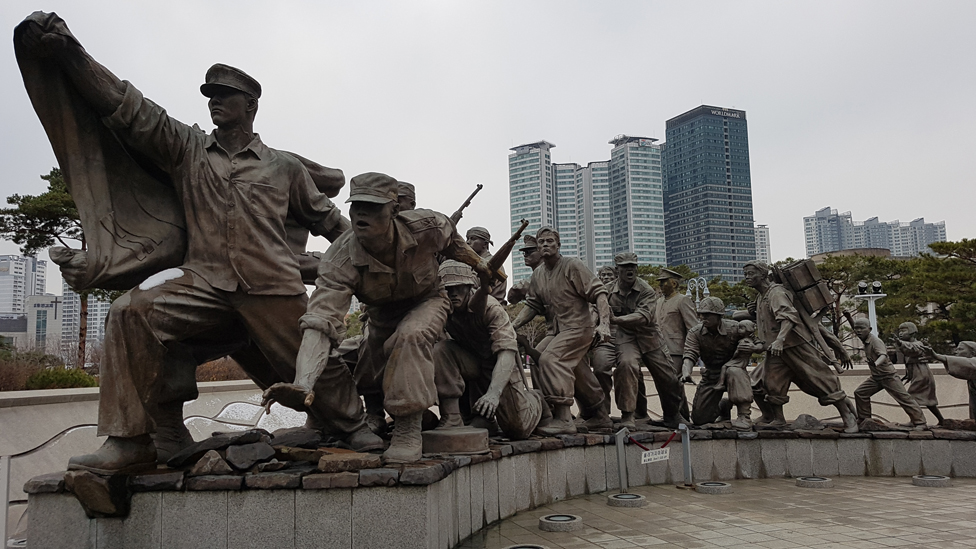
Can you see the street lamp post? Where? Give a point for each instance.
(699, 284)
(862, 289)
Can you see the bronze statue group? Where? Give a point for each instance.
(207, 231)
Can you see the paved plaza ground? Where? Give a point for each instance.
(770, 513)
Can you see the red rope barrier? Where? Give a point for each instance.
(645, 448)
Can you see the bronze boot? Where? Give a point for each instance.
(171, 433)
(118, 455)
(407, 445)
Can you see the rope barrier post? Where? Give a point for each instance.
(622, 459)
(5, 490)
(686, 452)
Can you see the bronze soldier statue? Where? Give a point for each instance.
(480, 356)
(479, 240)
(793, 355)
(238, 283)
(639, 342)
(406, 196)
(882, 378)
(388, 262)
(566, 289)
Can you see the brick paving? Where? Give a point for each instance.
(868, 512)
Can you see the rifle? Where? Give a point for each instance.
(502, 254)
(456, 216)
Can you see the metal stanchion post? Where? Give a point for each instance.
(686, 453)
(622, 459)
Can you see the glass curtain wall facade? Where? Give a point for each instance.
(708, 192)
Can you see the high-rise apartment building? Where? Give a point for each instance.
(45, 315)
(763, 252)
(71, 317)
(530, 192)
(829, 231)
(20, 278)
(601, 209)
(708, 192)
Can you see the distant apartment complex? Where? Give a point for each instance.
(829, 231)
(599, 209)
(708, 192)
(763, 252)
(20, 278)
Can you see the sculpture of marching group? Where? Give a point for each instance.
(207, 231)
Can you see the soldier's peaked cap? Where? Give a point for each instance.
(625, 258)
(406, 189)
(668, 273)
(529, 243)
(377, 188)
(225, 76)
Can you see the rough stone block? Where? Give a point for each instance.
(963, 458)
(297, 437)
(243, 457)
(777, 434)
(747, 435)
(610, 465)
(215, 483)
(142, 528)
(774, 458)
(477, 511)
(194, 452)
(210, 464)
(920, 435)
(51, 483)
(378, 477)
(825, 457)
(57, 521)
(323, 518)
(194, 520)
(596, 469)
(593, 440)
(806, 422)
(570, 441)
(852, 456)
(391, 517)
(153, 482)
(879, 458)
(427, 472)
(522, 471)
(575, 467)
(324, 481)
(826, 433)
(720, 434)
(799, 457)
(259, 519)
(525, 446)
(723, 460)
(556, 473)
(748, 458)
(907, 456)
(946, 434)
(700, 434)
(100, 496)
(499, 490)
(889, 435)
(336, 463)
(548, 444)
(288, 453)
(936, 457)
(273, 481)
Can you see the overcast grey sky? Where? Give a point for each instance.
(862, 106)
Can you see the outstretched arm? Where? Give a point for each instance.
(505, 364)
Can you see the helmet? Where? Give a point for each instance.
(711, 305)
(455, 273)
